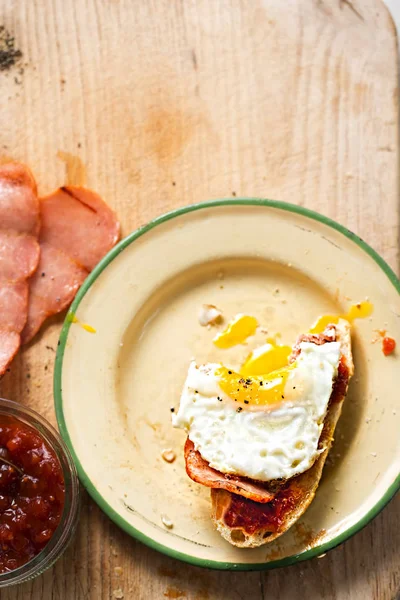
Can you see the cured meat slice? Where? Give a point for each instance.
(19, 255)
(200, 471)
(77, 221)
(77, 230)
(19, 204)
(52, 287)
(9, 346)
(13, 314)
(14, 305)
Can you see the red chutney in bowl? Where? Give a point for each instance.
(32, 493)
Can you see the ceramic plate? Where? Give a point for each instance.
(114, 388)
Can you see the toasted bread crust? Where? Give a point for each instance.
(248, 524)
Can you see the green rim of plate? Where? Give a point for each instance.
(58, 400)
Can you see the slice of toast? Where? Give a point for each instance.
(249, 524)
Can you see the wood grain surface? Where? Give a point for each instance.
(169, 102)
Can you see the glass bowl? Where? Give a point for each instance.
(69, 518)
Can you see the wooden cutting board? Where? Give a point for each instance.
(171, 102)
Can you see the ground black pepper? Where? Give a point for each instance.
(9, 55)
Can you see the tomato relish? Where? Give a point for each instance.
(388, 345)
(32, 493)
(253, 516)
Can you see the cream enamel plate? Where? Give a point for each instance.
(114, 388)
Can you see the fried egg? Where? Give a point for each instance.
(264, 427)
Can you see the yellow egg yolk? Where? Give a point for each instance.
(267, 358)
(256, 391)
(236, 332)
(357, 311)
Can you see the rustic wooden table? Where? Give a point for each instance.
(170, 102)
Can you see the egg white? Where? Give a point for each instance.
(266, 442)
